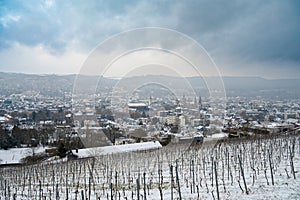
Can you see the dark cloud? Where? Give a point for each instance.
(256, 29)
(236, 32)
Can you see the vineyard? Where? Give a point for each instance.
(256, 168)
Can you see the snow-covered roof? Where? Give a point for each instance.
(97, 151)
(3, 119)
(137, 104)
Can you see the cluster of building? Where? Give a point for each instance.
(166, 119)
(32, 119)
(157, 118)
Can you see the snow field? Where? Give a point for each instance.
(206, 172)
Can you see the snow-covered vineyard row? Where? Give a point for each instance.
(249, 169)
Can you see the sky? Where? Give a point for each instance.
(244, 38)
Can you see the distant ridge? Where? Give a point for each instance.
(57, 85)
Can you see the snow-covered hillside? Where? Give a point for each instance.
(248, 169)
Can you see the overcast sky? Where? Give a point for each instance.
(244, 38)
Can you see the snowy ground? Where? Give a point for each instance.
(152, 174)
(15, 155)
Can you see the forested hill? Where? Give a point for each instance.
(58, 85)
